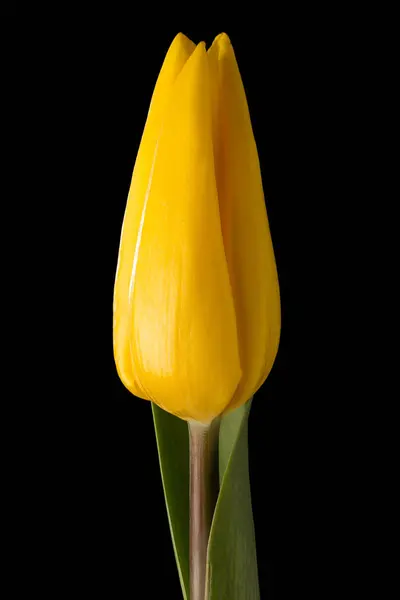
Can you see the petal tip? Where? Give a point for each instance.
(198, 54)
(221, 46)
(180, 37)
(222, 40)
(181, 40)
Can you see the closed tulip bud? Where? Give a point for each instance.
(196, 299)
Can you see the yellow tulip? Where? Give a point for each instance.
(196, 299)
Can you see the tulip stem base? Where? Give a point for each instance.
(203, 443)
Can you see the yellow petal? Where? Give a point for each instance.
(184, 343)
(177, 55)
(245, 228)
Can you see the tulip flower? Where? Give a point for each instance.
(196, 299)
(196, 302)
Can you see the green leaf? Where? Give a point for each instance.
(173, 451)
(232, 560)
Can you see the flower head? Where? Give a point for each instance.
(196, 301)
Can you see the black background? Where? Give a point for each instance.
(96, 521)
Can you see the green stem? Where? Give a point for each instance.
(203, 441)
